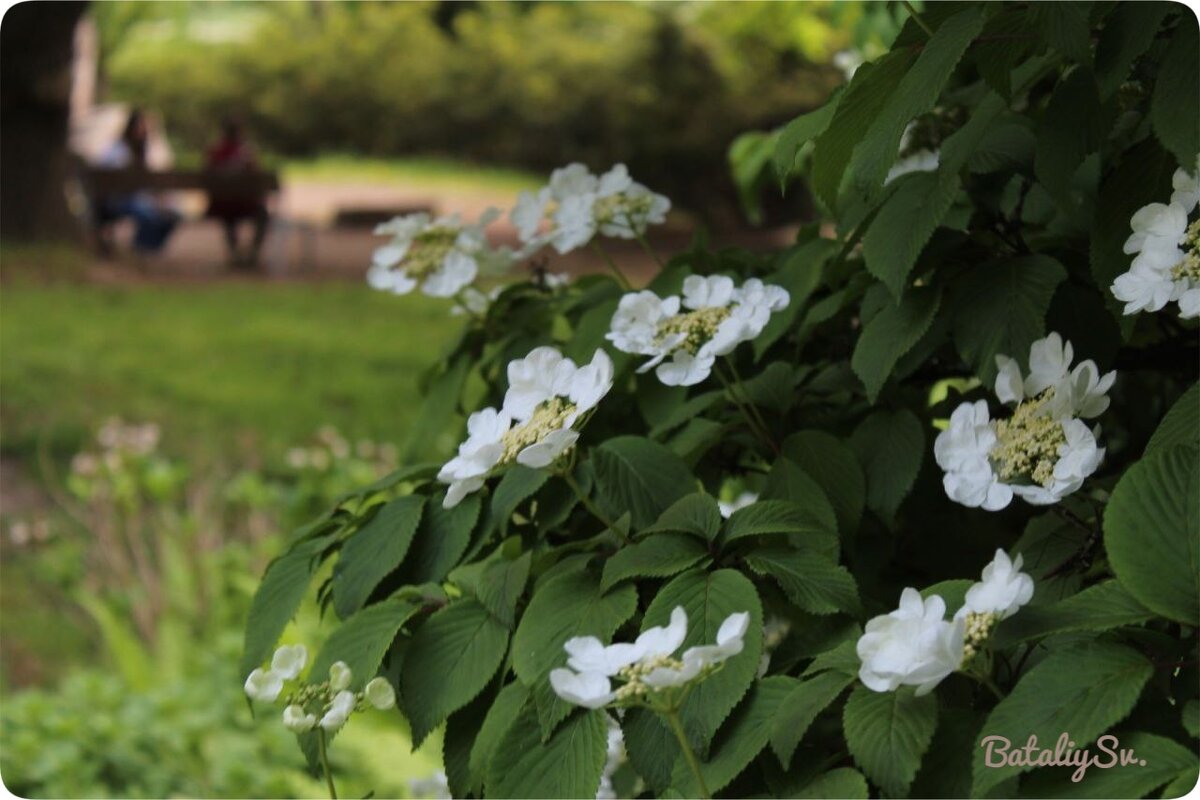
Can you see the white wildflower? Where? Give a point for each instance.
(1002, 590)
(264, 685)
(297, 720)
(1166, 251)
(441, 255)
(289, 660)
(912, 646)
(339, 711)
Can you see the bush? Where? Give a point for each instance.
(846, 517)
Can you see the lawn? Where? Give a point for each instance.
(225, 369)
(424, 170)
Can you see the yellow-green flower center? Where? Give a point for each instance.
(549, 416)
(979, 628)
(428, 250)
(1189, 268)
(622, 208)
(1028, 441)
(697, 327)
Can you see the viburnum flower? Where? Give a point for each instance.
(264, 685)
(911, 646)
(297, 720)
(339, 676)
(339, 710)
(1003, 590)
(289, 660)
(380, 694)
(441, 255)
(577, 205)
(1166, 250)
(547, 399)
(710, 320)
(646, 666)
(1044, 450)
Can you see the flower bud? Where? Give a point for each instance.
(380, 694)
(339, 676)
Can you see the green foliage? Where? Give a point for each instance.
(568, 765)
(373, 551)
(888, 733)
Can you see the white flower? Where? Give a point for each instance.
(1187, 188)
(1189, 303)
(1078, 457)
(912, 646)
(1144, 290)
(380, 694)
(1081, 392)
(295, 719)
(741, 501)
(339, 711)
(848, 61)
(339, 676)
(587, 689)
(962, 452)
(441, 255)
(1003, 590)
(288, 661)
(710, 320)
(917, 161)
(548, 396)
(614, 757)
(1158, 231)
(1166, 266)
(264, 685)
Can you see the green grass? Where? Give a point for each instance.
(226, 369)
(425, 170)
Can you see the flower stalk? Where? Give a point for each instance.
(325, 763)
(672, 717)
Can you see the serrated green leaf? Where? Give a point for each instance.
(1181, 425)
(1001, 309)
(685, 412)
(842, 782)
(278, 596)
(442, 538)
(1083, 690)
(1128, 32)
(501, 586)
(518, 485)
(651, 747)
(639, 476)
(501, 716)
(890, 334)
(799, 132)
(890, 445)
(373, 551)
(787, 482)
(776, 517)
(458, 741)
(1071, 128)
(452, 658)
(1064, 26)
(362, 640)
(697, 514)
(843, 658)
(1097, 608)
(1003, 43)
(1174, 112)
(659, 556)
(916, 94)
(799, 707)
(439, 408)
(833, 465)
(1150, 529)
(1008, 146)
(888, 733)
(568, 765)
(810, 580)
(708, 598)
(904, 225)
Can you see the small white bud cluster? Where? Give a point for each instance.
(327, 705)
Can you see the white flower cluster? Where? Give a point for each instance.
(547, 400)
(441, 255)
(915, 645)
(1166, 250)
(710, 320)
(646, 666)
(332, 699)
(1044, 451)
(577, 205)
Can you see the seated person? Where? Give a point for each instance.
(233, 153)
(154, 221)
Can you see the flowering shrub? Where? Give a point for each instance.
(749, 573)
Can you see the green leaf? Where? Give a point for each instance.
(1064, 26)
(1001, 309)
(1181, 425)
(810, 580)
(799, 707)
(439, 408)
(916, 94)
(888, 733)
(452, 658)
(1097, 608)
(1158, 760)
(1191, 718)
(1128, 32)
(639, 476)
(860, 103)
(905, 223)
(518, 485)
(800, 274)
(798, 133)
(442, 538)
(1001, 47)
(1008, 146)
(740, 739)
(685, 412)
(708, 598)
(501, 586)
(277, 598)
(843, 658)
(1150, 529)
(697, 514)
(374, 551)
(458, 739)
(890, 446)
(362, 641)
(953, 591)
(659, 556)
(568, 765)
(773, 517)
(834, 467)
(1083, 690)
(890, 334)
(841, 782)
(651, 747)
(1174, 112)
(505, 710)
(1071, 127)
(787, 482)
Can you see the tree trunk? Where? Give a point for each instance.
(35, 88)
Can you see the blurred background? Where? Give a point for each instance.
(173, 401)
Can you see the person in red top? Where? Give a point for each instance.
(233, 153)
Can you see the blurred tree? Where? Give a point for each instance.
(36, 43)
